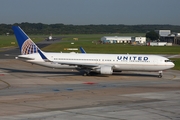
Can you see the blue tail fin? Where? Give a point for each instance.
(82, 50)
(26, 45)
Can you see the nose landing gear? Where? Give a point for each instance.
(160, 74)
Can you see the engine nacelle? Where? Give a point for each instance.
(106, 70)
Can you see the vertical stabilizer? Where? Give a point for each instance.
(26, 45)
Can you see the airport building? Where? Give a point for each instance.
(116, 39)
(123, 39)
(140, 40)
(177, 38)
(165, 36)
(163, 32)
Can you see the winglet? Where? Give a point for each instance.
(26, 45)
(82, 50)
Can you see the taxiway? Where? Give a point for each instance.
(31, 92)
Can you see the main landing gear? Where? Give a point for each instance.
(86, 73)
(89, 73)
(160, 74)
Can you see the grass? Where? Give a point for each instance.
(10, 41)
(7, 41)
(92, 47)
(90, 44)
(177, 63)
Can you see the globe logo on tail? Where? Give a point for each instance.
(29, 47)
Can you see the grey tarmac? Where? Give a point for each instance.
(32, 92)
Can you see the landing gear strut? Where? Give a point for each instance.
(160, 74)
(86, 73)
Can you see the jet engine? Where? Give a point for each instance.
(105, 70)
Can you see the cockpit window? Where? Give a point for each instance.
(168, 61)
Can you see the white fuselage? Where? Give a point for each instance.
(121, 62)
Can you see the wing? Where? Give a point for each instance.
(81, 65)
(84, 65)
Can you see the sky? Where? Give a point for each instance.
(86, 12)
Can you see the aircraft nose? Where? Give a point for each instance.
(172, 64)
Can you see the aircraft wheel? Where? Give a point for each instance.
(84, 74)
(160, 75)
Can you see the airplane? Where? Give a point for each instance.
(99, 63)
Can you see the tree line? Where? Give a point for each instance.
(40, 28)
